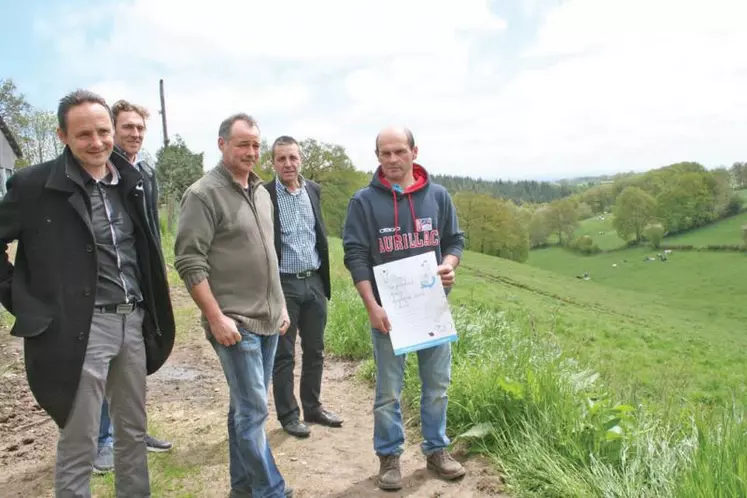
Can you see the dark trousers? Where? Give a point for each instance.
(307, 309)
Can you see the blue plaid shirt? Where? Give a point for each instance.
(297, 235)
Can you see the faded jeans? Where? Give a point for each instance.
(247, 366)
(434, 365)
(105, 427)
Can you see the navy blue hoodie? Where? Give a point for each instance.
(384, 224)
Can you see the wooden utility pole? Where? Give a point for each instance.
(163, 115)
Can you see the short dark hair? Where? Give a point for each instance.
(283, 140)
(76, 98)
(224, 130)
(408, 134)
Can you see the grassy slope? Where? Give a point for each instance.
(553, 427)
(728, 231)
(607, 239)
(646, 326)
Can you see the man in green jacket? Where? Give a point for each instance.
(225, 254)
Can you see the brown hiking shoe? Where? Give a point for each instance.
(390, 477)
(445, 465)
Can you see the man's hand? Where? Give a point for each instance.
(446, 272)
(284, 322)
(379, 320)
(225, 330)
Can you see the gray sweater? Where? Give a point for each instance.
(225, 234)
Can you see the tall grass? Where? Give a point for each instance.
(550, 424)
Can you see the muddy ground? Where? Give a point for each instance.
(187, 402)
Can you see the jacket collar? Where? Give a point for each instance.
(223, 172)
(66, 172)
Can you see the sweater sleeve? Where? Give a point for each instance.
(193, 239)
(355, 243)
(452, 238)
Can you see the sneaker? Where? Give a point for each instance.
(157, 445)
(445, 465)
(390, 477)
(104, 462)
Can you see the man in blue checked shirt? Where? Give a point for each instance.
(303, 255)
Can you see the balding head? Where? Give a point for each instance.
(396, 133)
(396, 152)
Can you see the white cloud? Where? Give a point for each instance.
(606, 85)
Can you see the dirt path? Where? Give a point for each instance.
(187, 404)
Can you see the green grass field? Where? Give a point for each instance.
(601, 231)
(728, 231)
(626, 385)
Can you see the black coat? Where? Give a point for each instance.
(51, 288)
(314, 191)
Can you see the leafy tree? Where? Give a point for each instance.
(562, 219)
(493, 226)
(539, 227)
(177, 168)
(654, 233)
(634, 209)
(739, 174)
(34, 129)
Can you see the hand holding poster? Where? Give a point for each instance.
(415, 302)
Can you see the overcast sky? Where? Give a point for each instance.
(504, 89)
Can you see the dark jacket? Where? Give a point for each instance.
(384, 224)
(315, 195)
(150, 186)
(52, 285)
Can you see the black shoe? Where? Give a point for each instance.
(324, 417)
(297, 428)
(157, 445)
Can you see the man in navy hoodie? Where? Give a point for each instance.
(401, 214)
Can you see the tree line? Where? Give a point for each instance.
(504, 219)
(34, 129)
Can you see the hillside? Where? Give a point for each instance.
(656, 330)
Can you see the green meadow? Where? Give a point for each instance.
(629, 384)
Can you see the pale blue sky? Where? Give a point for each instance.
(503, 89)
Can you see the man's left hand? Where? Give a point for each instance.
(446, 272)
(284, 322)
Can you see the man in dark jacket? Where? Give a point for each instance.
(129, 132)
(303, 258)
(89, 294)
(401, 214)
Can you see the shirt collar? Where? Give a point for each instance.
(301, 184)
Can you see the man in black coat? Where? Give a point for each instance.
(89, 294)
(129, 133)
(303, 256)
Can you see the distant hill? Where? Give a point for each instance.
(523, 191)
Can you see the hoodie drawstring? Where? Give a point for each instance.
(412, 208)
(396, 208)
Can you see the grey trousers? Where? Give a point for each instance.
(115, 365)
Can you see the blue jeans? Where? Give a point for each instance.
(105, 426)
(434, 365)
(247, 366)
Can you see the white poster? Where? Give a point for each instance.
(415, 302)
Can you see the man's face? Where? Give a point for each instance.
(89, 134)
(395, 156)
(287, 162)
(241, 150)
(129, 132)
